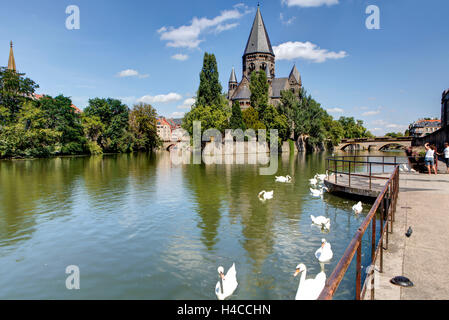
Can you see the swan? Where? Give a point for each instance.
(357, 208)
(324, 253)
(227, 284)
(318, 192)
(321, 221)
(264, 195)
(309, 289)
(313, 181)
(321, 177)
(287, 178)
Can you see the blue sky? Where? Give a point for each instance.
(152, 51)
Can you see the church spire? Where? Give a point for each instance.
(258, 41)
(11, 61)
(233, 78)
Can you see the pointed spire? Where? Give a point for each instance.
(11, 61)
(258, 40)
(295, 73)
(233, 78)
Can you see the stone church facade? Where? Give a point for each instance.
(258, 56)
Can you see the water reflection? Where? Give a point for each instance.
(142, 227)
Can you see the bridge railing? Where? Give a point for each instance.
(348, 165)
(386, 204)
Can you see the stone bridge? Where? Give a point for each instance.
(374, 144)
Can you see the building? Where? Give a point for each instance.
(445, 108)
(163, 129)
(259, 56)
(35, 96)
(424, 127)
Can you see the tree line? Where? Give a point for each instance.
(50, 126)
(298, 116)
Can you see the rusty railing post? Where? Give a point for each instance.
(359, 272)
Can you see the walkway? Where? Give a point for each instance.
(423, 204)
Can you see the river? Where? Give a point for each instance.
(139, 227)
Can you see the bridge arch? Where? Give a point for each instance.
(398, 144)
(357, 146)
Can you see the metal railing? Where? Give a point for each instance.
(386, 205)
(339, 165)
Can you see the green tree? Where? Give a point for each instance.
(289, 107)
(251, 119)
(29, 136)
(209, 90)
(114, 115)
(61, 117)
(142, 123)
(259, 90)
(93, 130)
(273, 120)
(236, 120)
(211, 117)
(15, 90)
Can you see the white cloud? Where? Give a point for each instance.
(305, 50)
(127, 100)
(177, 115)
(162, 98)
(180, 57)
(309, 3)
(370, 113)
(131, 73)
(286, 22)
(188, 36)
(335, 110)
(187, 104)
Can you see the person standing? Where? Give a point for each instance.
(446, 155)
(429, 159)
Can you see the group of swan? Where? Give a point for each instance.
(318, 179)
(266, 195)
(285, 179)
(308, 289)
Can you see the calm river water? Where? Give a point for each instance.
(139, 227)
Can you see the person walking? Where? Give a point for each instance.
(446, 155)
(435, 156)
(429, 159)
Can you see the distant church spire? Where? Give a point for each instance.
(258, 40)
(11, 61)
(233, 78)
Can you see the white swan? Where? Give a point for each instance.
(309, 289)
(264, 195)
(318, 192)
(357, 208)
(321, 177)
(321, 221)
(227, 284)
(285, 179)
(313, 181)
(324, 253)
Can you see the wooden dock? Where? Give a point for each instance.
(357, 185)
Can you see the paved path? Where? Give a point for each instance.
(423, 204)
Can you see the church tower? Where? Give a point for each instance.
(11, 61)
(258, 54)
(232, 85)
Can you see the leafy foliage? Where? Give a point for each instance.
(236, 120)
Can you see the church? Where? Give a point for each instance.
(258, 56)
